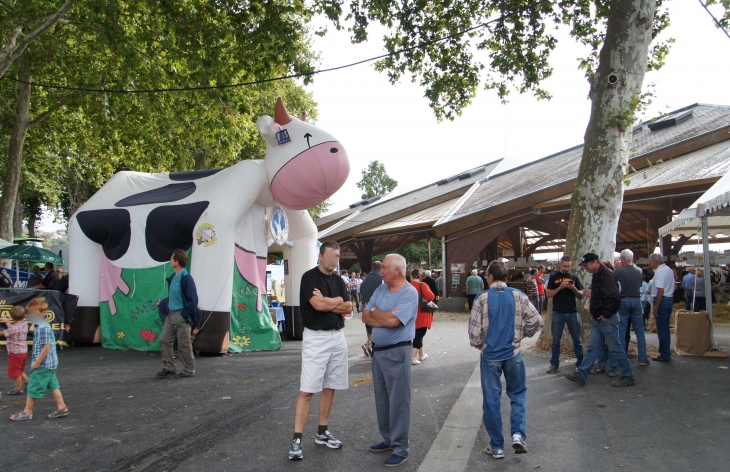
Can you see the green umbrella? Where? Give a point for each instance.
(20, 252)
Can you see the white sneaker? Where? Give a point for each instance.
(496, 453)
(295, 451)
(519, 444)
(328, 440)
(425, 356)
(415, 362)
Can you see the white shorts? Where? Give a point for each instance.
(324, 361)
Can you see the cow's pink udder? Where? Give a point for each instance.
(311, 177)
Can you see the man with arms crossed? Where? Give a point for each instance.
(564, 288)
(500, 319)
(392, 314)
(324, 302)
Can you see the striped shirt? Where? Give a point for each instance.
(532, 287)
(43, 335)
(527, 319)
(16, 335)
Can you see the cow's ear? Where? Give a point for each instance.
(267, 131)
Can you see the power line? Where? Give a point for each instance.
(273, 79)
(713, 17)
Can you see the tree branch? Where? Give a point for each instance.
(51, 110)
(14, 51)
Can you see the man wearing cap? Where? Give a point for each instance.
(604, 305)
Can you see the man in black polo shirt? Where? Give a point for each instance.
(325, 301)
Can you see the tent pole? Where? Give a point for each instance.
(708, 276)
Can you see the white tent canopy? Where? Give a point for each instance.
(710, 214)
(715, 204)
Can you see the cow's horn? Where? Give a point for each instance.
(281, 116)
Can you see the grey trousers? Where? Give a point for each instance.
(176, 328)
(392, 386)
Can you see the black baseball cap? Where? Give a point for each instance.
(588, 257)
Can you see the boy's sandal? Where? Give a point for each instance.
(59, 413)
(22, 416)
(15, 391)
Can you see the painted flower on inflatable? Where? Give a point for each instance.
(148, 336)
(242, 307)
(120, 334)
(243, 341)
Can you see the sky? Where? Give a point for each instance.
(394, 124)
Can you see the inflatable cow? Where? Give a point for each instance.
(121, 240)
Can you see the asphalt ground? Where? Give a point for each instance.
(237, 413)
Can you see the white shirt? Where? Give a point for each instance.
(664, 278)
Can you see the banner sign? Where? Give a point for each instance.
(621, 245)
(60, 314)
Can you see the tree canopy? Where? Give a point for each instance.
(376, 181)
(80, 138)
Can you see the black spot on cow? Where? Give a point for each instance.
(109, 228)
(171, 227)
(166, 194)
(193, 175)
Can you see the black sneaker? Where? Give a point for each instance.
(553, 369)
(164, 373)
(613, 373)
(573, 377)
(328, 440)
(295, 451)
(660, 359)
(623, 382)
(185, 375)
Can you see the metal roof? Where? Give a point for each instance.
(563, 166)
(424, 217)
(706, 163)
(380, 212)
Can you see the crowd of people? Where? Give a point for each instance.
(395, 310)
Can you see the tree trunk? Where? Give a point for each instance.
(615, 91)
(18, 218)
(32, 221)
(18, 133)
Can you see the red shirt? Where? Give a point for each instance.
(424, 318)
(540, 284)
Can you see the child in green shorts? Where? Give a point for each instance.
(45, 363)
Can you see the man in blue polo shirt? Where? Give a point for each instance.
(392, 314)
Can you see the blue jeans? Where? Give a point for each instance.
(514, 375)
(664, 312)
(605, 331)
(603, 357)
(687, 299)
(556, 327)
(631, 310)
